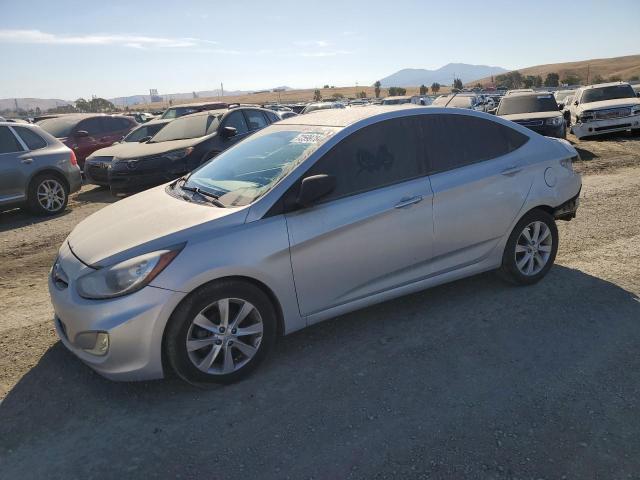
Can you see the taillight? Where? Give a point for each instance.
(73, 159)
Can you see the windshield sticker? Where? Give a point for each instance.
(308, 138)
(544, 96)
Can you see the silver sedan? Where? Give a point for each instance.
(310, 218)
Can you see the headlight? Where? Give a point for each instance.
(125, 277)
(555, 121)
(178, 154)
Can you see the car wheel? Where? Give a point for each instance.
(531, 249)
(48, 195)
(220, 333)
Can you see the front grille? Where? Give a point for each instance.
(612, 113)
(530, 123)
(97, 171)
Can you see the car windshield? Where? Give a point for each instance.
(607, 93)
(247, 171)
(188, 127)
(527, 104)
(143, 131)
(176, 112)
(58, 127)
(461, 102)
(440, 101)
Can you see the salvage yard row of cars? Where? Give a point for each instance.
(118, 152)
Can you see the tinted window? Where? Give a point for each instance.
(8, 142)
(527, 104)
(454, 141)
(375, 156)
(93, 126)
(272, 117)
(237, 121)
(31, 138)
(608, 93)
(188, 127)
(59, 127)
(115, 124)
(145, 131)
(255, 119)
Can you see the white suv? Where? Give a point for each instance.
(604, 108)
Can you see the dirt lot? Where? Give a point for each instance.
(474, 379)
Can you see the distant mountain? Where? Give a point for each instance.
(31, 103)
(411, 77)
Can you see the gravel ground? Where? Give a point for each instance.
(474, 379)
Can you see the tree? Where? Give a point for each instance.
(478, 85)
(397, 91)
(529, 81)
(571, 79)
(552, 80)
(38, 111)
(615, 78)
(510, 79)
(101, 105)
(362, 94)
(597, 79)
(633, 78)
(82, 105)
(435, 87)
(326, 86)
(424, 89)
(377, 88)
(457, 83)
(538, 81)
(337, 96)
(317, 96)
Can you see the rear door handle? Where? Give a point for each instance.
(405, 202)
(511, 170)
(27, 160)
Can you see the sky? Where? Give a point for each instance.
(68, 49)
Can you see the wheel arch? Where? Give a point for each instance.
(48, 171)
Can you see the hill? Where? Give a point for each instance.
(623, 67)
(443, 75)
(31, 103)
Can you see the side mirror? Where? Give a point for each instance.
(145, 139)
(315, 187)
(228, 132)
(81, 133)
(560, 106)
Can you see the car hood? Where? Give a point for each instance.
(151, 220)
(137, 150)
(112, 151)
(618, 102)
(526, 116)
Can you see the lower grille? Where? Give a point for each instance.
(530, 123)
(612, 127)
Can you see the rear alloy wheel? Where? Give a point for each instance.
(220, 333)
(48, 195)
(531, 249)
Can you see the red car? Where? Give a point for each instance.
(86, 133)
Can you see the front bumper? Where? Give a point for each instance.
(135, 324)
(97, 172)
(126, 177)
(599, 127)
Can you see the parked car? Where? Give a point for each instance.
(310, 218)
(98, 164)
(397, 100)
(86, 133)
(604, 108)
(36, 170)
(189, 108)
(561, 95)
(286, 114)
(566, 109)
(459, 100)
(140, 117)
(519, 90)
(538, 111)
(312, 107)
(183, 145)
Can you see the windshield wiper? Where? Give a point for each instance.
(212, 197)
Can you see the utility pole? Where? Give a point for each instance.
(221, 90)
(588, 71)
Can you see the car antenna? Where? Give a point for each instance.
(454, 96)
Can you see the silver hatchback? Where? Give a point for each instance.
(310, 218)
(36, 170)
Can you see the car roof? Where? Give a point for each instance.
(197, 104)
(600, 85)
(341, 117)
(530, 94)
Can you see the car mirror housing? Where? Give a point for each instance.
(315, 187)
(560, 106)
(82, 133)
(228, 132)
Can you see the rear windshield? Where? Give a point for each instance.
(144, 131)
(58, 127)
(440, 101)
(527, 104)
(607, 93)
(461, 102)
(188, 127)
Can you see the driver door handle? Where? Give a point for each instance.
(405, 202)
(26, 160)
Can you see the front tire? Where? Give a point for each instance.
(221, 332)
(48, 195)
(531, 249)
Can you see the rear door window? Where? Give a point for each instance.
(376, 156)
(93, 126)
(8, 142)
(255, 119)
(30, 138)
(453, 141)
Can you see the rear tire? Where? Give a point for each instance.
(48, 195)
(220, 333)
(531, 249)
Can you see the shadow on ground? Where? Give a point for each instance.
(473, 379)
